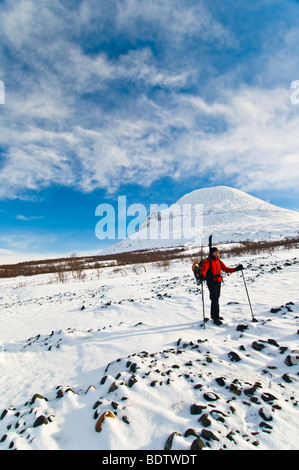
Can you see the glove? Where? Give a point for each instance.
(240, 267)
(201, 278)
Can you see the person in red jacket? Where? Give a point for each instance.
(211, 271)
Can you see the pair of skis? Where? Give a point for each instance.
(202, 291)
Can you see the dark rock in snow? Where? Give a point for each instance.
(97, 403)
(190, 432)
(37, 396)
(275, 310)
(218, 415)
(209, 435)
(292, 360)
(198, 386)
(265, 414)
(169, 441)
(39, 421)
(230, 435)
(125, 420)
(197, 444)
(205, 421)
(266, 427)
(288, 361)
(273, 342)
(220, 381)
(59, 394)
(197, 409)
(283, 349)
(242, 327)
(133, 367)
(112, 387)
(132, 381)
(3, 414)
(210, 396)
(249, 392)
(257, 346)
(287, 378)
(268, 397)
(234, 389)
(234, 357)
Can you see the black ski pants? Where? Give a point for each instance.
(215, 289)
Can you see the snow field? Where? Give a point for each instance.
(138, 340)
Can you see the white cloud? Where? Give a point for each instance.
(90, 120)
(174, 21)
(29, 23)
(256, 146)
(32, 167)
(28, 219)
(26, 242)
(258, 142)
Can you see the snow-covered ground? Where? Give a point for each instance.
(125, 353)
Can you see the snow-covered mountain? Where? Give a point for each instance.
(229, 214)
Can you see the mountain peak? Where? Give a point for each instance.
(224, 199)
(229, 214)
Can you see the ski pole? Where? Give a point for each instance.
(253, 319)
(203, 306)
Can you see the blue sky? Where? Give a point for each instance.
(148, 99)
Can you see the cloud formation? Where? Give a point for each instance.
(104, 94)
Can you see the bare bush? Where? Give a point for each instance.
(163, 264)
(253, 248)
(78, 265)
(61, 274)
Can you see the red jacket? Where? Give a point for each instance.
(212, 269)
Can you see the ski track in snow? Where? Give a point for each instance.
(133, 344)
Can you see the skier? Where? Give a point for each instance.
(211, 272)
